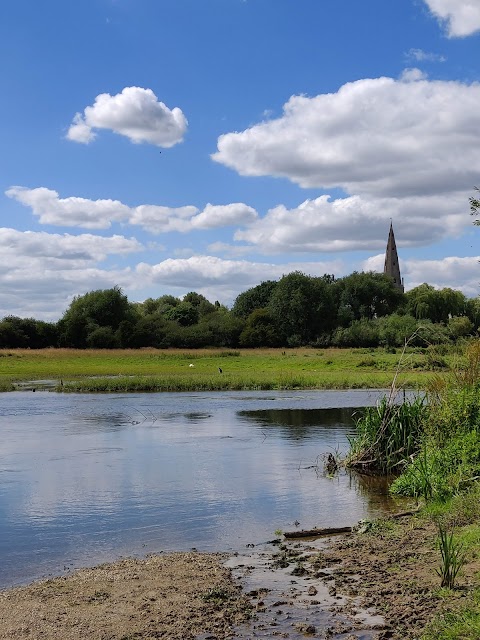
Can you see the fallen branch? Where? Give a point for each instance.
(332, 531)
(317, 533)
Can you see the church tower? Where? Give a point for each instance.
(392, 268)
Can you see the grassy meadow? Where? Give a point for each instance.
(180, 370)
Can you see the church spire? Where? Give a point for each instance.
(392, 267)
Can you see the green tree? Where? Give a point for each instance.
(18, 332)
(366, 295)
(437, 305)
(255, 298)
(223, 326)
(473, 311)
(185, 314)
(87, 313)
(396, 329)
(361, 333)
(102, 338)
(302, 307)
(459, 327)
(260, 330)
(200, 303)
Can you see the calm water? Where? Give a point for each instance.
(88, 478)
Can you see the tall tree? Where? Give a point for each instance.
(437, 305)
(366, 295)
(303, 307)
(255, 298)
(101, 308)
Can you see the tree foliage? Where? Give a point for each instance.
(255, 298)
(362, 309)
(366, 295)
(94, 310)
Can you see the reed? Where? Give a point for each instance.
(453, 557)
(387, 435)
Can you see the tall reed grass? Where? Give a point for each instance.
(387, 435)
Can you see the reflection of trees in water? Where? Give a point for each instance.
(299, 423)
(374, 489)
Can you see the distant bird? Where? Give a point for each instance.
(219, 370)
(191, 365)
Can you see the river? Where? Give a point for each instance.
(90, 478)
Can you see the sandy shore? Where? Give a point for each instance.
(172, 596)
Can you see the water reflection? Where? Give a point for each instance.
(85, 479)
(298, 424)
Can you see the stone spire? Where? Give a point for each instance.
(392, 268)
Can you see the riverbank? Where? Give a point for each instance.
(176, 596)
(381, 579)
(133, 370)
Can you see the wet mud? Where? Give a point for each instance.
(293, 594)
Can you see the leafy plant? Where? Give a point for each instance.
(453, 557)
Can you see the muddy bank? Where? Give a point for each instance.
(174, 596)
(392, 571)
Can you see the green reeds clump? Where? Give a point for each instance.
(387, 435)
(6, 385)
(453, 557)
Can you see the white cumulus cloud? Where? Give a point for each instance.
(356, 223)
(135, 113)
(75, 212)
(461, 17)
(100, 214)
(41, 272)
(214, 216)
(208, 272)
(378, 137)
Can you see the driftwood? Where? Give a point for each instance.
(316, 533)
(331, 531)
(403, 514)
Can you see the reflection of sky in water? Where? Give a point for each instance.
(85, 478)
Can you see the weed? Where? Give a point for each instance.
(453, 557)
(216, 594)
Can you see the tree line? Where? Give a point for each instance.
(359, 310)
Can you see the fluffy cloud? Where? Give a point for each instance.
(40, 272)
(355, 223)
(458, 273)
(201, 272)
(157, 219)
(462, 17)
(61, 250)
(376, 137)
(214, 216)
(71, 212)
(99, 214)
(135, 113)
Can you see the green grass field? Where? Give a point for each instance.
(179, 370)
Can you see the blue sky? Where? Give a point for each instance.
(167, 146)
